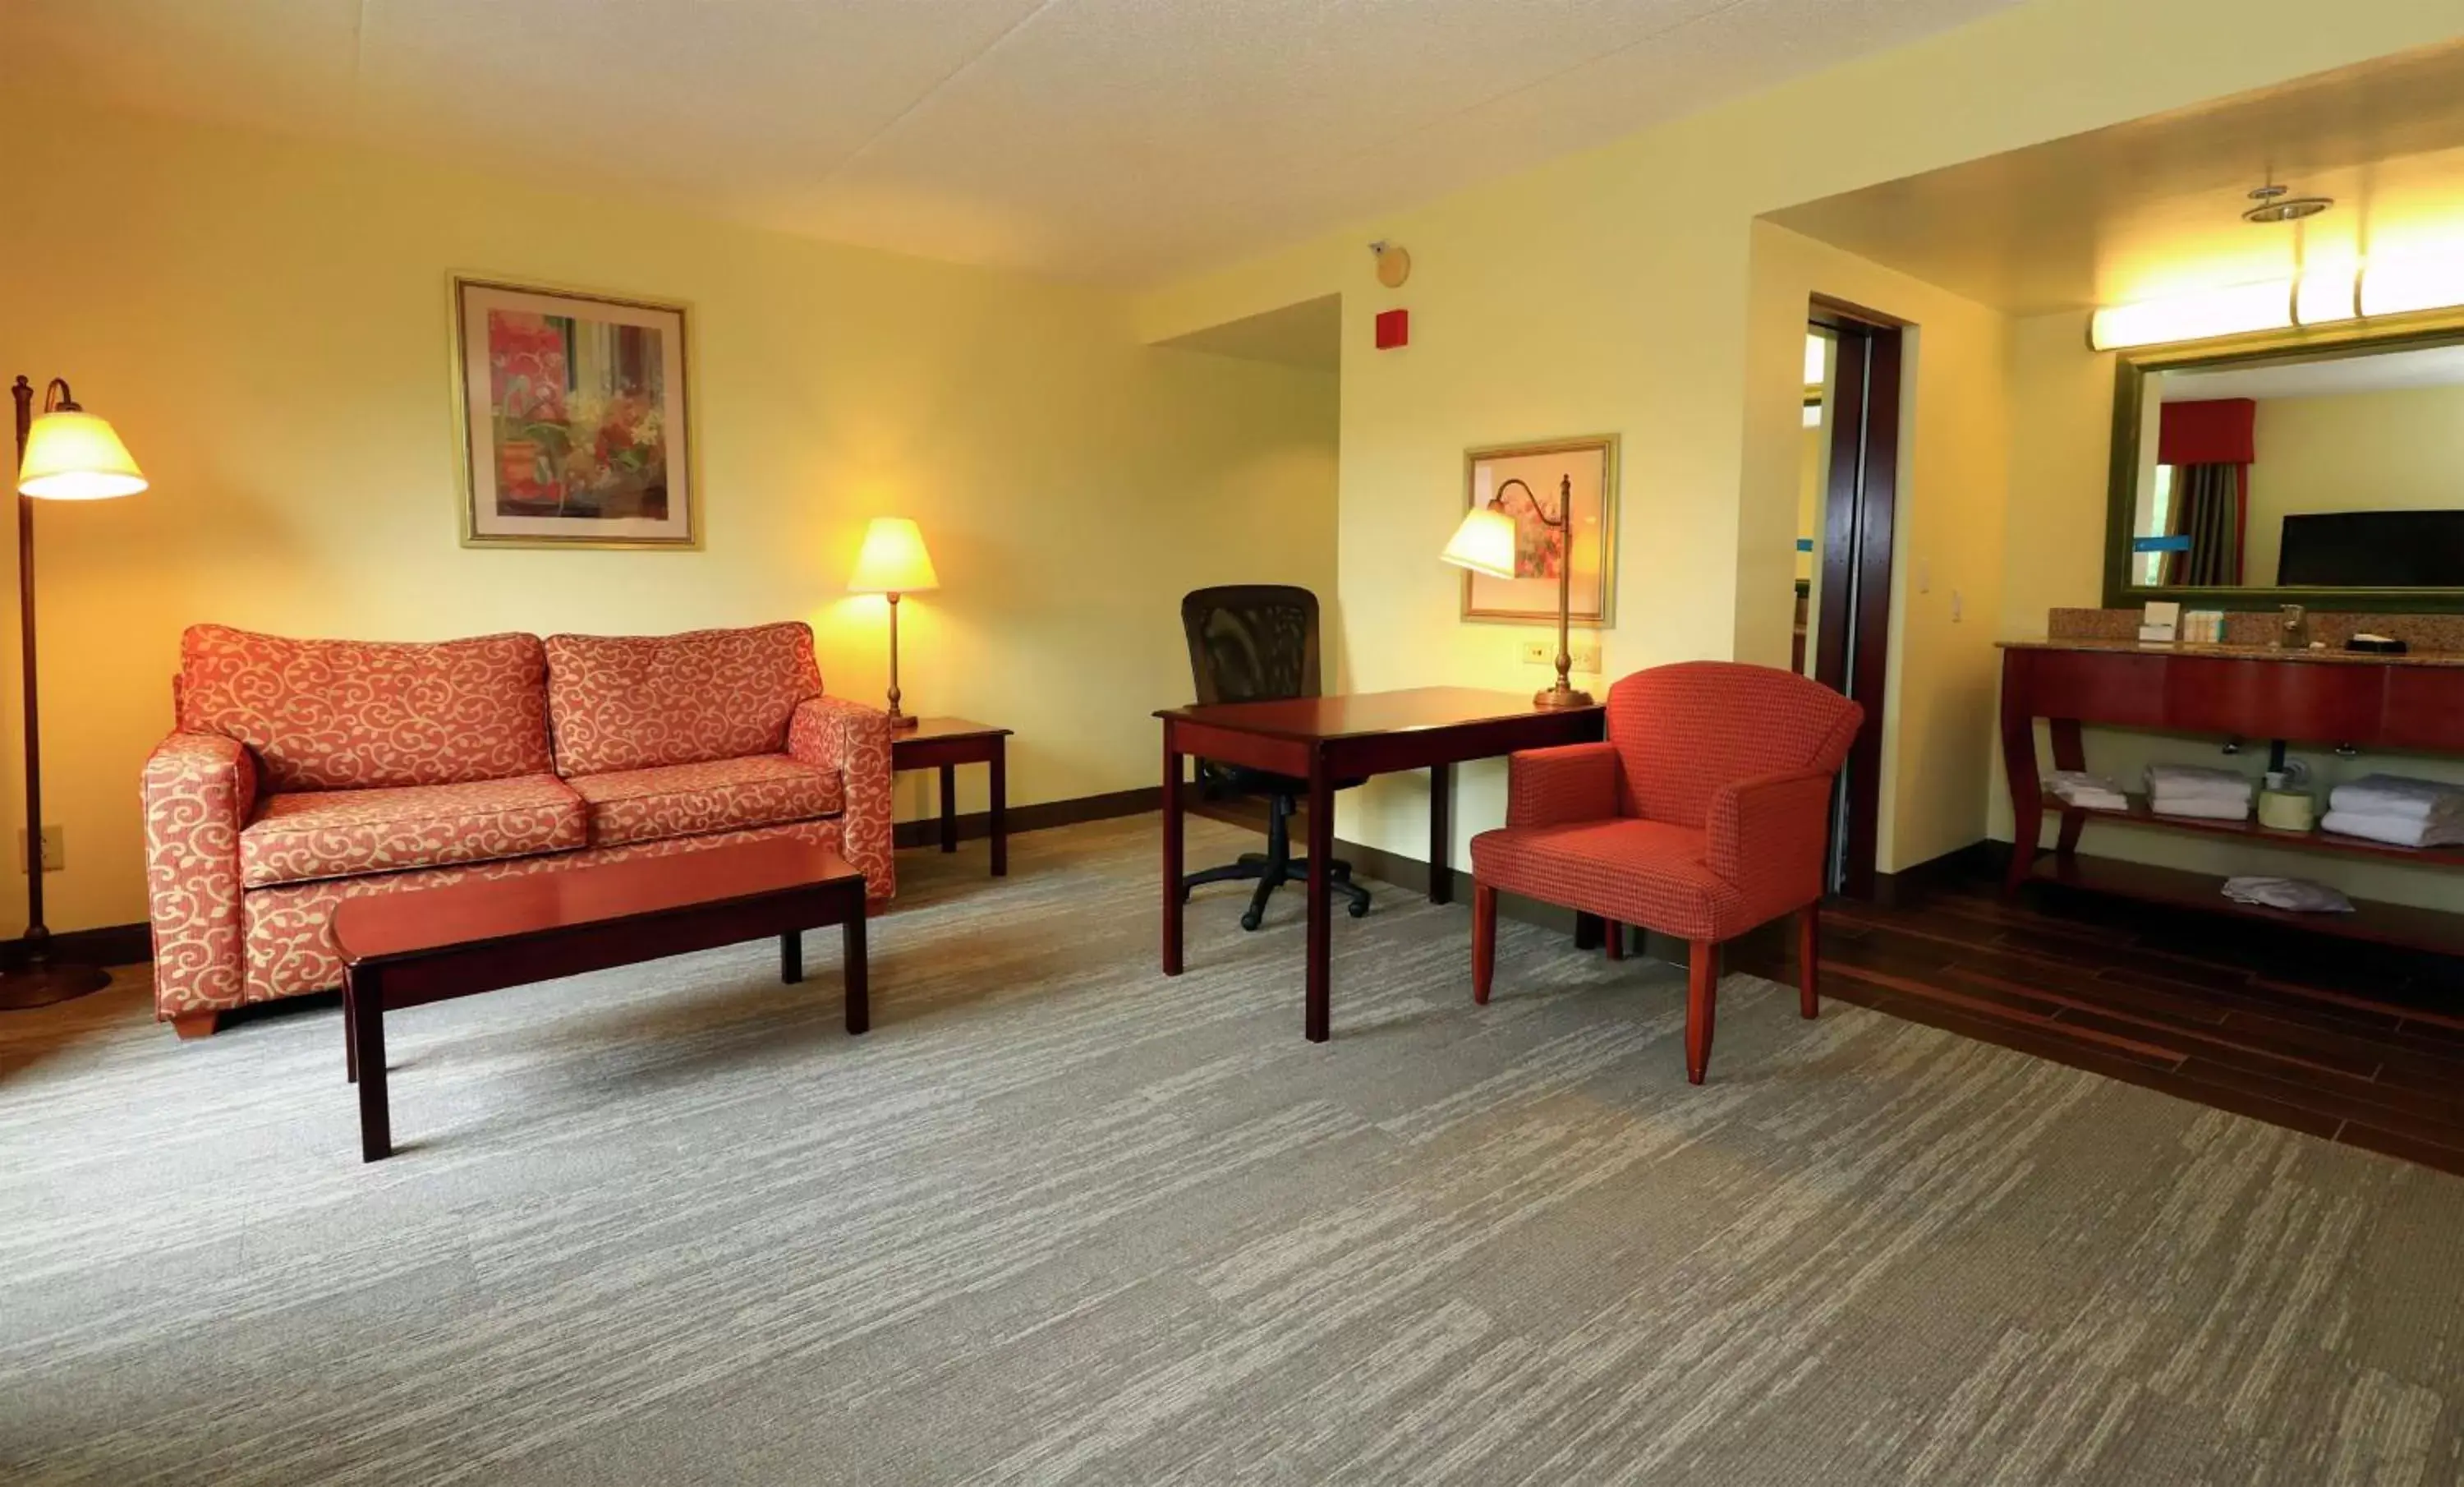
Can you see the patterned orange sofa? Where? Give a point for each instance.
(305, 772)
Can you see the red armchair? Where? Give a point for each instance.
(1704, 814)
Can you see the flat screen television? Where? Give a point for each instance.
(2373, 549)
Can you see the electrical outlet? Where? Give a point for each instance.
(56, 851)
(1539, 652)
(1586, 655)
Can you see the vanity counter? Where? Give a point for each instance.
(2239, 652)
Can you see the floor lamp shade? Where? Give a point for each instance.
(77, 456)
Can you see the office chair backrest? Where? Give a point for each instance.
(1251, 642)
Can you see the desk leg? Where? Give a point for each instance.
(858, 975)
(1442, 834)
(1000, 808)
(1172, 871)
(367, 1040)
(2027, 791)
(1321, 852)
(949, 807)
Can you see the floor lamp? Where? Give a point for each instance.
(66, 454)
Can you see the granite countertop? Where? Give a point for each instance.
(2240, 652)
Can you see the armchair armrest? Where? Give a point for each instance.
(834, 733)
(197, 791)
(1766, 834)
(1556, 787)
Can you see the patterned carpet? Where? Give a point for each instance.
(1058, 1219)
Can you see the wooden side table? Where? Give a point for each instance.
(945, 743)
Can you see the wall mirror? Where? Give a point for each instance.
(2325, 469)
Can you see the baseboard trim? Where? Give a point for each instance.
(108, 944)
(1967, 864)
(1042, 815)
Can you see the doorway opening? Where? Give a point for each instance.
(1845, 555)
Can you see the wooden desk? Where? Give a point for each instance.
(944, 744)
(1326, 739)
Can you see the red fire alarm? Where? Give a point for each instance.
(1394, 330)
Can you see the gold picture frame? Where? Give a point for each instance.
(1541, 467)
(573, 418)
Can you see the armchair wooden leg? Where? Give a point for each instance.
(1614, 937)
(195, 1025)
(1702, 1003)
(1808, 960)
(1484, 939)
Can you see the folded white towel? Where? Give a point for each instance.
(2196, 777)
(2397, 795)
(2085, 790)
(2184, 785)
(2394, 831)
(2288, 893)
(2200, 810)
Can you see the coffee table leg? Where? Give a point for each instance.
(791, 957)
(367, 1042)
(859, 995)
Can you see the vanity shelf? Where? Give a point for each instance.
(2259, 835)
(2412, 702)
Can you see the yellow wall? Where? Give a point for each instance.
(1630, 289)
(265, 323)
(2394, 449)
(2061, 397)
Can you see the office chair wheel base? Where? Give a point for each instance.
(1250, 919)
(1360, 908)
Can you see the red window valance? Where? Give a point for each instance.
(2216, 432)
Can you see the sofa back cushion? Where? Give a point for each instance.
(645, 701)
(334, 715)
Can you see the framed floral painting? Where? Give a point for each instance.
(1562, 494)
(574, 418)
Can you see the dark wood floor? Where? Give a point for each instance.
(2347, 1043)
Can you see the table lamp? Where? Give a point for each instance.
(67, 453)
(893, 562)
(1485, 543)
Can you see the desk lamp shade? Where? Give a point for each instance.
(893, 560)
(1484, 544)
(73, 456)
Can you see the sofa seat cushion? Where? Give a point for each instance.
(721, 795)
(305, 836)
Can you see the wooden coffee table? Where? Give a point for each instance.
(427, 944)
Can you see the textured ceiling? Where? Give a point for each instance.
(2153, 207)
(1120, 139)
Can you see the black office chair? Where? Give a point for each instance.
(1253, 643)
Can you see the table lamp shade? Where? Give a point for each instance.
(893, 560)
(1484, 544)
(76, 456)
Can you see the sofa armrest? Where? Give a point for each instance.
(197, 791)
(1767, 835)
(834, 733)
(1556, 786)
